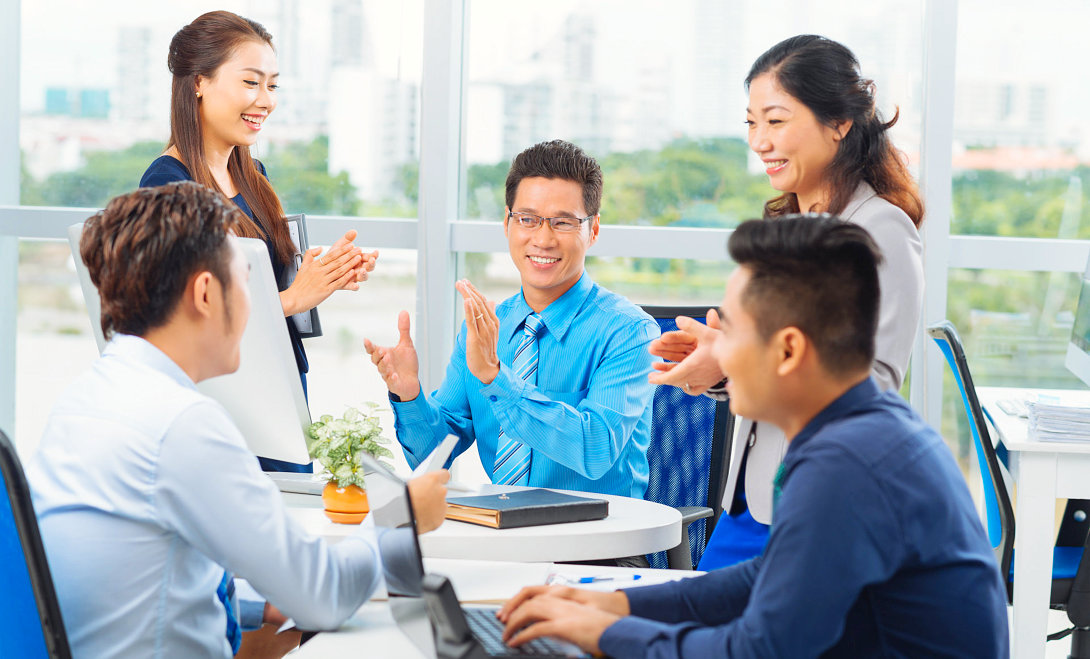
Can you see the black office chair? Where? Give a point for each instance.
(1070, 568)
(28, 603)
(688, 456)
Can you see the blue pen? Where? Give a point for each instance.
(634, 577)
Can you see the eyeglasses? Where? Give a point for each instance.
(562, 224)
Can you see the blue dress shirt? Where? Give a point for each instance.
(145, 492)
(876, 549)
(587, 420)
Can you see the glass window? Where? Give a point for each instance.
(343, 139)
(1020, 120)
(655, 92)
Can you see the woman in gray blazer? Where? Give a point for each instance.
(814, 123)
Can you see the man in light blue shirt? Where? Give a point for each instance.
(144, 489)
(584, 417)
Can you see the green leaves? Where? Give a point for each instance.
(339, 444)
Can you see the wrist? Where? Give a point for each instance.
(489, 375)
(287, 300)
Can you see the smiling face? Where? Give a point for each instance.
(745, 357)
(549, 262)
(239, 96)
(794, 146)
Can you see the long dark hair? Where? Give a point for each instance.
(199, 49)
(824, 76)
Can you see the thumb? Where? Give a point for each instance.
(686, 324)
(403, 328)
(713, 318)
(311, 254)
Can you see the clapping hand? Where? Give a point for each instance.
(398, 365)
(341, 268)
(482, 333)
(690, 364)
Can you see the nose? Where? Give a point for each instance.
(758, 140)
(265, 99)
(544, 235)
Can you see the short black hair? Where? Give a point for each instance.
(817, 273)
(145, 246)
(558, 160)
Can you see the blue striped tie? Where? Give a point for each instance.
(512, 466)
(226, 594)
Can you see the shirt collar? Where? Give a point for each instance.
(558, 316)
(140, 350)
(839, 408)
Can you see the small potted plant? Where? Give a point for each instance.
(339, 444)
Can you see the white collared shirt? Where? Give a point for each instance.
(145, 492)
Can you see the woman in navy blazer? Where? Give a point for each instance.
(224, 88)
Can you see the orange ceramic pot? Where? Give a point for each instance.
(345, 505)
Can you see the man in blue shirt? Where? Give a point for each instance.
(576, 417)
(875, 547)
(144, 489)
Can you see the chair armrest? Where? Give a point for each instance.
(690, 514)
(679, 557)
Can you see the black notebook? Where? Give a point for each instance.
(525, 508)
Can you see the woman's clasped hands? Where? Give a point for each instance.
(342, 267)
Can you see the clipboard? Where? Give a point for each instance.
(306, 322)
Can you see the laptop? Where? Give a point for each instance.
(457, 631)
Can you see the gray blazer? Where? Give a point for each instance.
(900, 279)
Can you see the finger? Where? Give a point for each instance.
(469, 308)
(692, 327)
(713, 318)
(309, 256)
(515, 602)
(403, 329)
(369, 347)
(536, 630)
(663, 366)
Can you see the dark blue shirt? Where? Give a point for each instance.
(876, 549)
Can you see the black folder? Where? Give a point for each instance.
(525, 508)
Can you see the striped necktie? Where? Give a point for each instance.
(226, 594)
(512, 466)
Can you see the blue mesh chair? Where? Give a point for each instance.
(1070, 573)
(688, 456)
(30, 619)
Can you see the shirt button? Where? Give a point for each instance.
(492, 398)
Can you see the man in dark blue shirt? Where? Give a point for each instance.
(875, 548)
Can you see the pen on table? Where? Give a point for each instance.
(634, 577)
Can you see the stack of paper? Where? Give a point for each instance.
(1053, 422)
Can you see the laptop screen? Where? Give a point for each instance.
(395, 529)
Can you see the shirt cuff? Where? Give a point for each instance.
(506, 390)
(251, 606)
(718, 391)
(411, 411)
(630, 637)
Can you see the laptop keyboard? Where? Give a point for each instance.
(489, 632)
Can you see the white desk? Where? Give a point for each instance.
(400, 628)
(633, 527)
(1043, 472)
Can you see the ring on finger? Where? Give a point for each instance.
(321, 260)
(687, 389)
(479, 316)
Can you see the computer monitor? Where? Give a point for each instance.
(265, 395)
(1078, 349)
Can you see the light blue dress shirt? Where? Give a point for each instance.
(145, 492)
(587, 419)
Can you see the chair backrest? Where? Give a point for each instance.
(689, 452)
(997, 500)
(28, 603)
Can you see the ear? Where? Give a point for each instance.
(595, 226)
(842, 129)
(203, 293)
(200, 83)
(506, 220)
(792, 349)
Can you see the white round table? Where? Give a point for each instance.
(633, 527)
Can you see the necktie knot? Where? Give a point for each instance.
(533, 324)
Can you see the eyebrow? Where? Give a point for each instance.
(768, 108)
(533, 211)
(260, 72)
